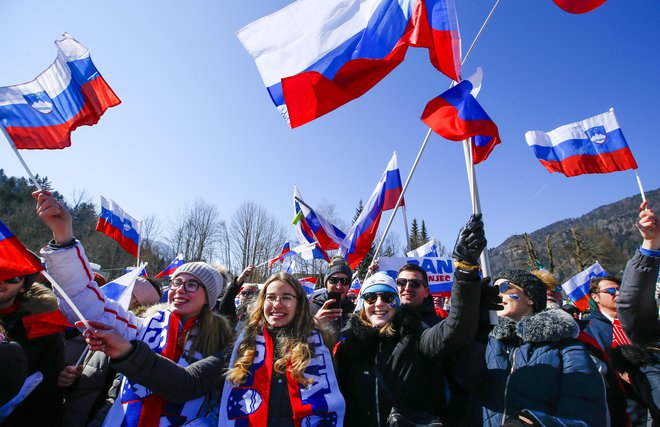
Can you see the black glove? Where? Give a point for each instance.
(490, 297)
(471, 241)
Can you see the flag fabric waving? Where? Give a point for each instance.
(308, 284)
(315, 56)
(119, 225)
(15, 259)
(312, 224)
(457, 115)
(577, 287)
(428, 249)
(176, 263)
(121, 289)
(578, 6)
(41, 114)
(594, 145)
(363, 232)
(307, 251)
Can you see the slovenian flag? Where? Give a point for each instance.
(577, 287)
(594, 145)
(121, 289)
(363, 232)
(119, 225)
(428, 249)
(315, 56)
(313, 226)
(457, 115)
(41, 114)
(176, 263)
(15, 259)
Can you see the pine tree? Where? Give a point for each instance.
(414, 235)
(423, 236)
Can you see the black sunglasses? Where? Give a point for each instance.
(343, 280)
(14, 280)
(372, 297)
(611, 291)
(414, 283)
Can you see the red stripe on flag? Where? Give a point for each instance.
(106, 228)
(603, 163)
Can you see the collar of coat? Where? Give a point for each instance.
(546, 326)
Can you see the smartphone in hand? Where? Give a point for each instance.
(337, 297)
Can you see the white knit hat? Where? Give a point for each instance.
(209, 276)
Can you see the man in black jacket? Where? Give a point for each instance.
(337, 278)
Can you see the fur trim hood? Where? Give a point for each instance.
(38, 299)
(547, 326)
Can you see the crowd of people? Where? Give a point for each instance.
(386, 356)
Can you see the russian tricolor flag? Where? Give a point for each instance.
(594, 145)
(313, 226)
(363, 232)
(121, 289)
(119, 225)
(308, 284)
(315, 56)
(41, 114)
(15, 259)
(577, 287)
(456, 115)
(176, 263)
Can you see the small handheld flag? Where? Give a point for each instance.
(593, 145)
(119, 225)
(121, 288)
(41, 114)
(15, 259)
(577, 287)
(311, 226)
(457, 115)
(176, 263)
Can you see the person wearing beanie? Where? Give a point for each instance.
(536, 371)
(389, 360)
(183, 332)
(337, 278)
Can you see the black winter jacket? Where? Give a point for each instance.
(411, 361)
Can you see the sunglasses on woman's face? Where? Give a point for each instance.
(386, 297)
(14, 280)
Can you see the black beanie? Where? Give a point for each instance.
(337, 265)
(534, 288)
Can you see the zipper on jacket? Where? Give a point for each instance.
(506, 386)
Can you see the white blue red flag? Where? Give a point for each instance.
(15, 259)
(594, 145)
(577, 287)
(428, 249)
(315, 56)
(307, 251)
(121, 288)
(41, 114)
(456, 115)
(308, 284)
(578, 6)
(176, 263)
(286, 252)
(356, 285)
(312, 226)
(119, 225)
(363, 232)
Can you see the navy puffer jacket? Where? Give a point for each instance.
(538, 366)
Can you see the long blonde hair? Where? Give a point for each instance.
(294, 350)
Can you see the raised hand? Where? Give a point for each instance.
(471, 241)
(105, 338)
(68, 375)
(54, 215)
(648, 227)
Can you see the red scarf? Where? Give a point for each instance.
(154, 405)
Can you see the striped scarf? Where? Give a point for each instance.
(320, 404)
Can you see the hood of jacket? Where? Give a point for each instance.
(547, 326)
(38, 299)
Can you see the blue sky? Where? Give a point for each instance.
(196, 120)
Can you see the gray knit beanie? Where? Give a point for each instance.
(534, 288)
(209, 276)
(337, 265)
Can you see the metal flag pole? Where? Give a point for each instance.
(404, 211)
(428, 134)
(27, 169)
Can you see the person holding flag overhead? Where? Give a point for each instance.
(185, 331)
